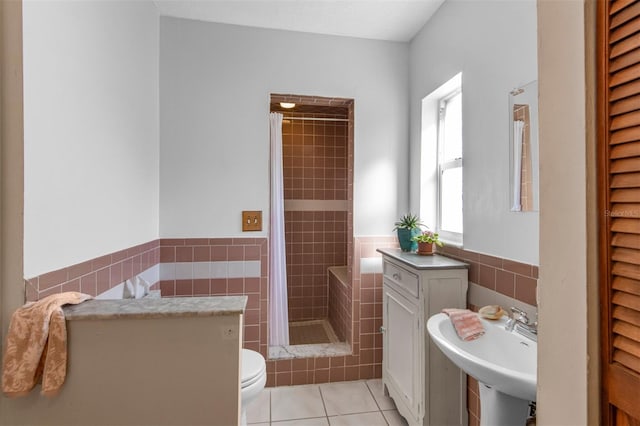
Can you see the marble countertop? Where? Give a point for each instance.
(418, 261)
(167, 307)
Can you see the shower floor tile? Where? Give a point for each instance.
(311, 332)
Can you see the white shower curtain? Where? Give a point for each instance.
(278, 309)
(518, 127)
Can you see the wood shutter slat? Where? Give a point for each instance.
(630, 134)
(629, 210)
(624, 15)
(628, 360)
(625, 150)
(627, 315)
(625, 105)
(630, 195)
(625, 165)
(626, 240)
(627, 330)
(626, 30)
(617, 6)
(625, 60)
(627, 345)
(630, 89)
(626, 120)
(627, 300)
(626, 270)
(626, 285)
(629, 226)
(625, 180)
(625, 255)
(627, 74)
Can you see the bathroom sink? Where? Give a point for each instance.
(502, 360)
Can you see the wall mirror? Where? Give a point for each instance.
(523, 148)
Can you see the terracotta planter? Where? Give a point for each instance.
(425, 249)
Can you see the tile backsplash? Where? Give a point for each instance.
(97, 275)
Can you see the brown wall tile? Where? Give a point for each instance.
(505, 282)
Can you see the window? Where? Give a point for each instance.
(449, 212)
(441, 160)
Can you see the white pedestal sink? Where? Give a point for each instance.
(504, 362)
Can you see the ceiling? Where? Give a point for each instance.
(393, 20)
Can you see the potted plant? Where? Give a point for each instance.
(425, 242)
(408, 227)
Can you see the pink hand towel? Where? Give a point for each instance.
(37, 346)
(466, 323)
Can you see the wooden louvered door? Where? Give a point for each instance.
(619, 191)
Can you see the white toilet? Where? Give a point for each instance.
(253, 372)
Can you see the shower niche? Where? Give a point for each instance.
(317, 170)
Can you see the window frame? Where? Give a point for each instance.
(442, 166)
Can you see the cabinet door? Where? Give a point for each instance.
(402, 348)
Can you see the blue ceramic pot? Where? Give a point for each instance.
(405, 236)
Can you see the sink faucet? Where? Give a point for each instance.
(517, 315)
(522, 324)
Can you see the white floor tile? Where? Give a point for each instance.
(394, 418)
(296, 402)
(362, 419)
(377, 389)
(318, 421)
(347, 398)
(259, 411)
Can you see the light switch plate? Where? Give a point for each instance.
(251, 220)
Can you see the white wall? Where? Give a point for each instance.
(566, 369)
(493, 43)
(91, 129)
(215, 82)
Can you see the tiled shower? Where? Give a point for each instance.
(315, 140)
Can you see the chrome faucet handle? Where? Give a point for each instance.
(519, 315)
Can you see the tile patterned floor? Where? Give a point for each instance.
(358, 403)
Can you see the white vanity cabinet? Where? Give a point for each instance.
(427, 388)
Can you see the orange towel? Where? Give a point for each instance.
(466, 323)
(37, 346)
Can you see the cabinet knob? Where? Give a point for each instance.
(382, 329)
(396, 276)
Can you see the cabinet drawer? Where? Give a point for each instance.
(402, 278)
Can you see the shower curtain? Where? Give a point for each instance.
(278, 309)
(518, 127)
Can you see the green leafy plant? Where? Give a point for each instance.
(408, 221)
(428, 237)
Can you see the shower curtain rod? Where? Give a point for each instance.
(314, 119)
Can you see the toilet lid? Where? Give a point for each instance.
(253, 367)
